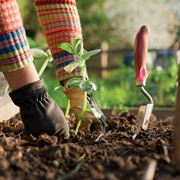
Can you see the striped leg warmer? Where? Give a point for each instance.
(14, 49)
(60, 22)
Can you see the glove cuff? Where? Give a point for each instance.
(28, 92)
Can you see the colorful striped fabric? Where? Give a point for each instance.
(14, 49)
(60, 23)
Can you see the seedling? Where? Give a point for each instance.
(42, 58)
(86, 85)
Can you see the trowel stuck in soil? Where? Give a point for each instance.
(140, 53)
(112, 155)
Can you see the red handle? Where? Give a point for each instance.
(140, 53)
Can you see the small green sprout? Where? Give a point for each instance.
(86, 85)
(41, 59)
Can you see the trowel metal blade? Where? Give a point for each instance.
(143, 118)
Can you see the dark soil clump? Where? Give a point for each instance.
(110, 155)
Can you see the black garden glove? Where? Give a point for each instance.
(39, 113)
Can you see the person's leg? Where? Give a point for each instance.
(60, 22)
(15, 55)
(39, 112)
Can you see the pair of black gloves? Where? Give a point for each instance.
(39, 113)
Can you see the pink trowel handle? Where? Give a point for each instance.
(140, 53)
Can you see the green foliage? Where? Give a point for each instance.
(92, 17)
(163, 84)
(87, 54)
(39, 54)
(118, 89)
(94, 22)
(117, 21)
(83, 83)
(42, 58)
(88, 86)
(67, 47)
(81, 58)
(35, 44)
(74, 82)
(50, 80)
(44, 66)
(29, 16)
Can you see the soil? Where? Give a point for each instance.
(110, 155)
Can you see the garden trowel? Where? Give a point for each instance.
(140, 53)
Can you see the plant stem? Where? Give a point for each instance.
(85, 102)
(78, 126)
(83, 70)
(43, 67)
(82, 113)
(67, 109)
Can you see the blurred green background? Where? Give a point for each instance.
(116, 23)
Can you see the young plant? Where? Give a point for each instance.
(86, 85)
(41, 59)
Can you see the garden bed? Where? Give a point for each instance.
(112, 155)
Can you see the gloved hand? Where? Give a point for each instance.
(75, 96)
(39, 113)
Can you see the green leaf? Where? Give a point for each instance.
(49, 54)
(73, 82)
(79, 47)
(93, 110)
(50, 59)
(87, 54)
(76, 44)
(43, 67)
(67, 47)
(39, 54)
(82, 64)
(71, 66)
(89, 108)
(58, 87)
(88, 86)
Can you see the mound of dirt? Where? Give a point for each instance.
(106, 155)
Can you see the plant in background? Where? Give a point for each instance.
(83, 82)
(163, 83)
